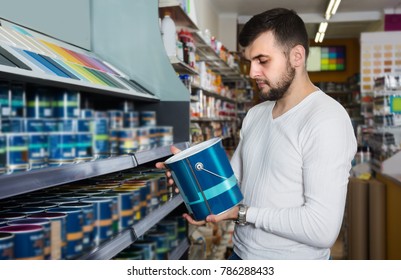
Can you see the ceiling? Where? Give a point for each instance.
(352, 18)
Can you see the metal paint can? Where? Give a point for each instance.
(50, 125)
(103, 215)
(87, 114)
(45, 223)
(84, 125)
(116, 119)
(18, 100)
(115, 213)
(66, 104)
(6, 245)
(144, 141)
(15, 125)
(66, 125)
(37, 149)
(58, 237)
(62, 147)
(147, 118)
(127, 140)
(101, 145)
(166, 136)
(28, 241)
(39, 104)
(88, 221)
(131, 119)
(162, 243)
(84, 146)
(148, 246)
(12, 216)
(17, 152)
(205, 178)
(34, 125)
(125, 208)
(171, 228)
(5, 99)
(74, 230)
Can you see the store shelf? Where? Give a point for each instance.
(116, 244)
(219, 119)
(179, 251)
(23, 182)
(181, 67)
(213, 94)
(179, 16)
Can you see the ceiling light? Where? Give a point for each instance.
(319, 37)
(332, 8)
(323, 27)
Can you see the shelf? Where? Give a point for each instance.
(177, 253)
(181, 67)
(23, 182)
(214, 94)
(116, 244)
(179, 16)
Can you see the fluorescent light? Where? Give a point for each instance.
(317, 37)
(323, 27)
(335, 7)
(332, 8)
(321, 36)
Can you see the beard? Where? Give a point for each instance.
(274, 93)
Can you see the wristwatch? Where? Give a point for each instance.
(241, 219)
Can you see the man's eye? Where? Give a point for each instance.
(262, 61)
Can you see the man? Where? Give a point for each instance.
(295, 150)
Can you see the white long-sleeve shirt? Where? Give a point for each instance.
(293, 172)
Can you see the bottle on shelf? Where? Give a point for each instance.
(169, 34)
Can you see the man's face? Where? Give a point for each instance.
(270, 67)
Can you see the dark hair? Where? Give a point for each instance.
(287, 27)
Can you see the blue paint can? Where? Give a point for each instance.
(17, 152)
(101, 145)
(84, 146)
(84, 125)
(103, 215)
(37, 148)
(28, 241)
(62, 147)
(148, 246)
(66, 125)
(6, 245)
(87, 114)
(34, 125)
(18, 100)
(116, 119)
(58, 237)
(162, 243)
(131, 119)
(74, 230)
(205, 178)
(144, 141)
(115, 213)
(147, 118)
(15, 125)
(171, 228)
(127, 140)
(45, 223)
(88, 221)
(50, 125)
(39, 104)
(66, 104)
(125, 208)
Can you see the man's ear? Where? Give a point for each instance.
(298, 56)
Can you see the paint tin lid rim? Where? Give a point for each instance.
(192, 150)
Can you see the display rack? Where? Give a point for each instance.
(24, 182)
(110, 248)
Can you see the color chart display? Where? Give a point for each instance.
(22, 49)
(380, 55)
(330, 58)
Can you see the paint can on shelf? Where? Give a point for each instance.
(3, 154)
(66, 104)
(84, 146)
(61, 147)
(205, 178)
(28, 241)
(45, 223)
(103, 216)
(58, 237)
(131, 119)
(74, 230)
(39, 104)
(147, 118)
(17, 152)
(6, 245)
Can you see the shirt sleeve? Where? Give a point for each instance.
(327, 151)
